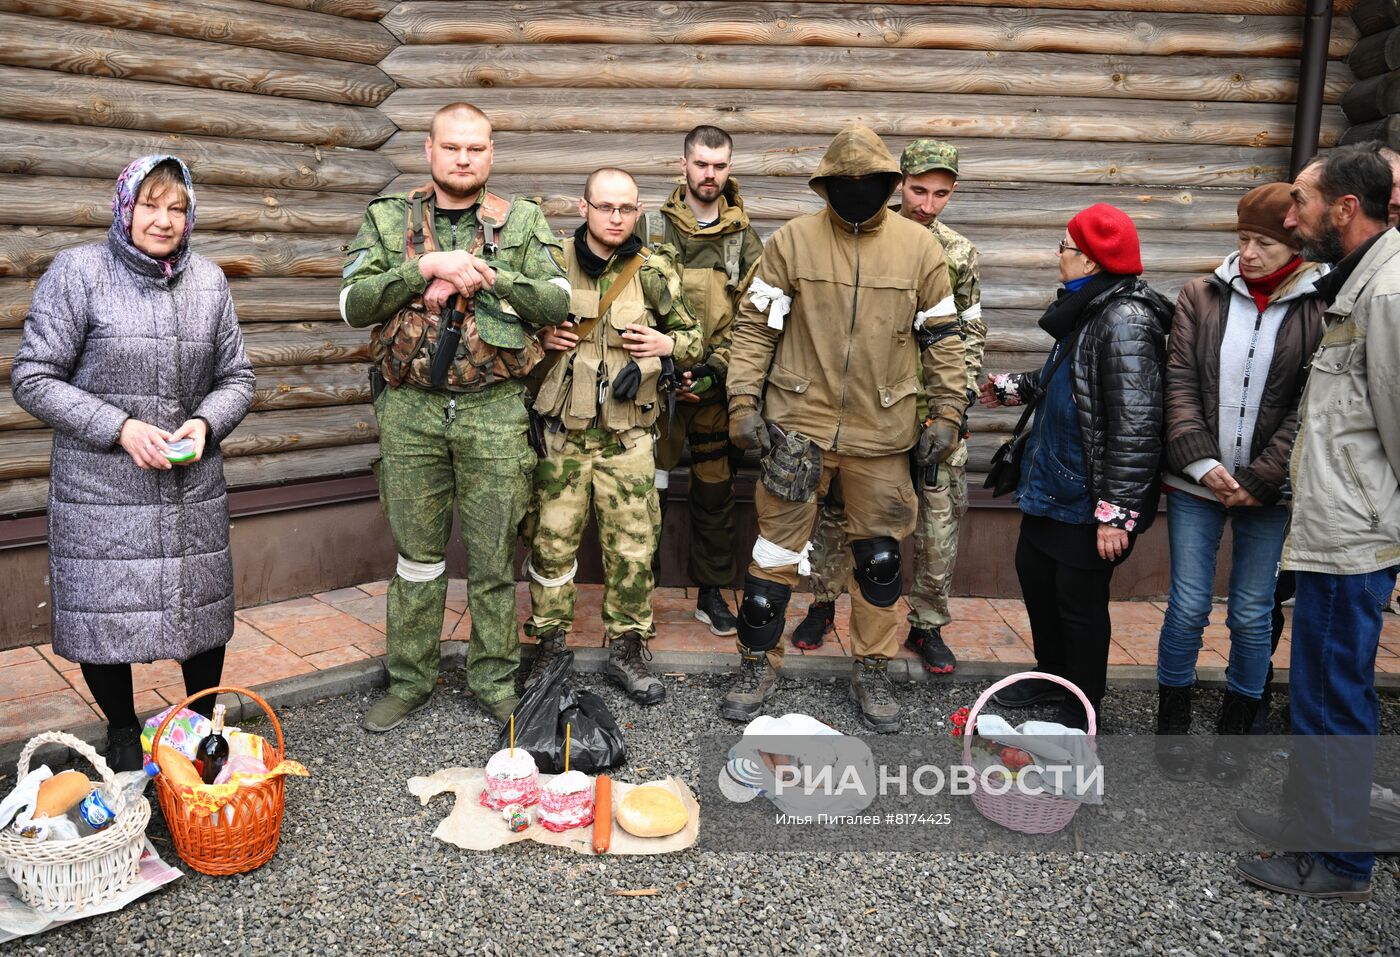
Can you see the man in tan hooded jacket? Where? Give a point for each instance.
(844, 306)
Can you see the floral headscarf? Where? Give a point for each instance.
(124, 203)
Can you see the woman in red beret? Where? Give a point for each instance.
(1089, 476)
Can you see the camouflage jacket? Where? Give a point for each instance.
(716, 263)
(531, 289)
(964, 273)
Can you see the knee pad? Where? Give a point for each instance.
(761, 613)
(877, 570)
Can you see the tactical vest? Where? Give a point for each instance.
(577, 390)
(700, 259)
(403, 347)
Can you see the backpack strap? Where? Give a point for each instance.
(733, 247)
(491, 219)
(414, 236)
(655, 224)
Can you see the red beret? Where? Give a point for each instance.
(1107, 235)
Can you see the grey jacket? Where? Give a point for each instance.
(138, 559)
(1345, 468)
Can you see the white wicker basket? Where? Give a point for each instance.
(75, 875)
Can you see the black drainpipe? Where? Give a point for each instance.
(1312, 74)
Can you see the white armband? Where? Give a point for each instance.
(972, 313)
(559, 582)
(769, 555)
(771, 299)
(944, 307)
(411, 571)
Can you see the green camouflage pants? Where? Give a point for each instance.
(705, 427)
(434, 445)
(615, 475)
(935, 547)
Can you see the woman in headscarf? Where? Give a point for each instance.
(1089, 474)
(130, 347)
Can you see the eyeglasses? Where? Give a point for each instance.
(607, 209)
(1066, 247)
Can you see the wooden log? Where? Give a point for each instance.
(1375, 16)
(28, 250)
(304, 343)
(781, 111)
(850, 25)
(577, 66)
(26, 454)
(1283, 8)
(353, 9)
(562, 154)
(56, 149)
(305, 387)
(1385, 130)
(24, 496)
(12, 417)
(125, 54)
(1376, 54)
(131, 104)
(256, 300)
(240, 22)
(974, 204)
(57, 201)
(1373, 98)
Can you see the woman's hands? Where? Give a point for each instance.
(147, 444)
(1113, 542)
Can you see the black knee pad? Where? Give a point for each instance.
(877, 570)
(761, 613)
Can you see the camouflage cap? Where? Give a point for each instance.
(922, 156)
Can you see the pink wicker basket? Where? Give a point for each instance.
(1027, 813)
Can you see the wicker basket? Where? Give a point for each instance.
(217, 844)
(75, 875)
(1027, 813)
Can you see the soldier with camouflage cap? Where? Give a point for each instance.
(602, 397)
(930, 171)
(454, 250)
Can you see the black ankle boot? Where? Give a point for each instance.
(1230, 761)
(124, 748)
(1173, 720)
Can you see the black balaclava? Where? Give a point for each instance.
(856, 199)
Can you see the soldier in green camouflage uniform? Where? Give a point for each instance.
(930, 176)
(467, 437)
(602, 397)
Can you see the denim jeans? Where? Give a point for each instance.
(1332, 691)
(1194, 527)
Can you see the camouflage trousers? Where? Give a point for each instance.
(434, 446)
(614, 475)
(710, 501)
(941, 506)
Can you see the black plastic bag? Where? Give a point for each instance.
(547, 706)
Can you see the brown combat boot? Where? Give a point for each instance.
(551, 646)
(628, 669)
(873, 695)
(755, 684)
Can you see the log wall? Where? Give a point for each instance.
(1372, 104)
(274, 106)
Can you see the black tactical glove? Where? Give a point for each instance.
(747, 430)
(702, 378)
(937, 441)
(627, 382)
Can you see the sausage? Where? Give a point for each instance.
(602, 814)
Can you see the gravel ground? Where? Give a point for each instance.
(359, 873)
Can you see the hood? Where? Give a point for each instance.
(1296, 286)
(124, 203)
(732, 217)
(856, 151)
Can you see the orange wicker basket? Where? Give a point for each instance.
(224, 843)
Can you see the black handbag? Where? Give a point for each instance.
(1005, 472)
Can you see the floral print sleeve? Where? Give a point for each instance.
(1109, 514)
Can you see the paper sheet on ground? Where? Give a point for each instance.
(18, 919)
(475, 828)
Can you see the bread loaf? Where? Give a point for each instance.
(177, 768)
(651, 811)
(61, 792)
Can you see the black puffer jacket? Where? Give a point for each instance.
(1117, 371)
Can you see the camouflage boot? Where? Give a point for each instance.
(550, 646)
(872, 693)
(756, 683)
(628, 669)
